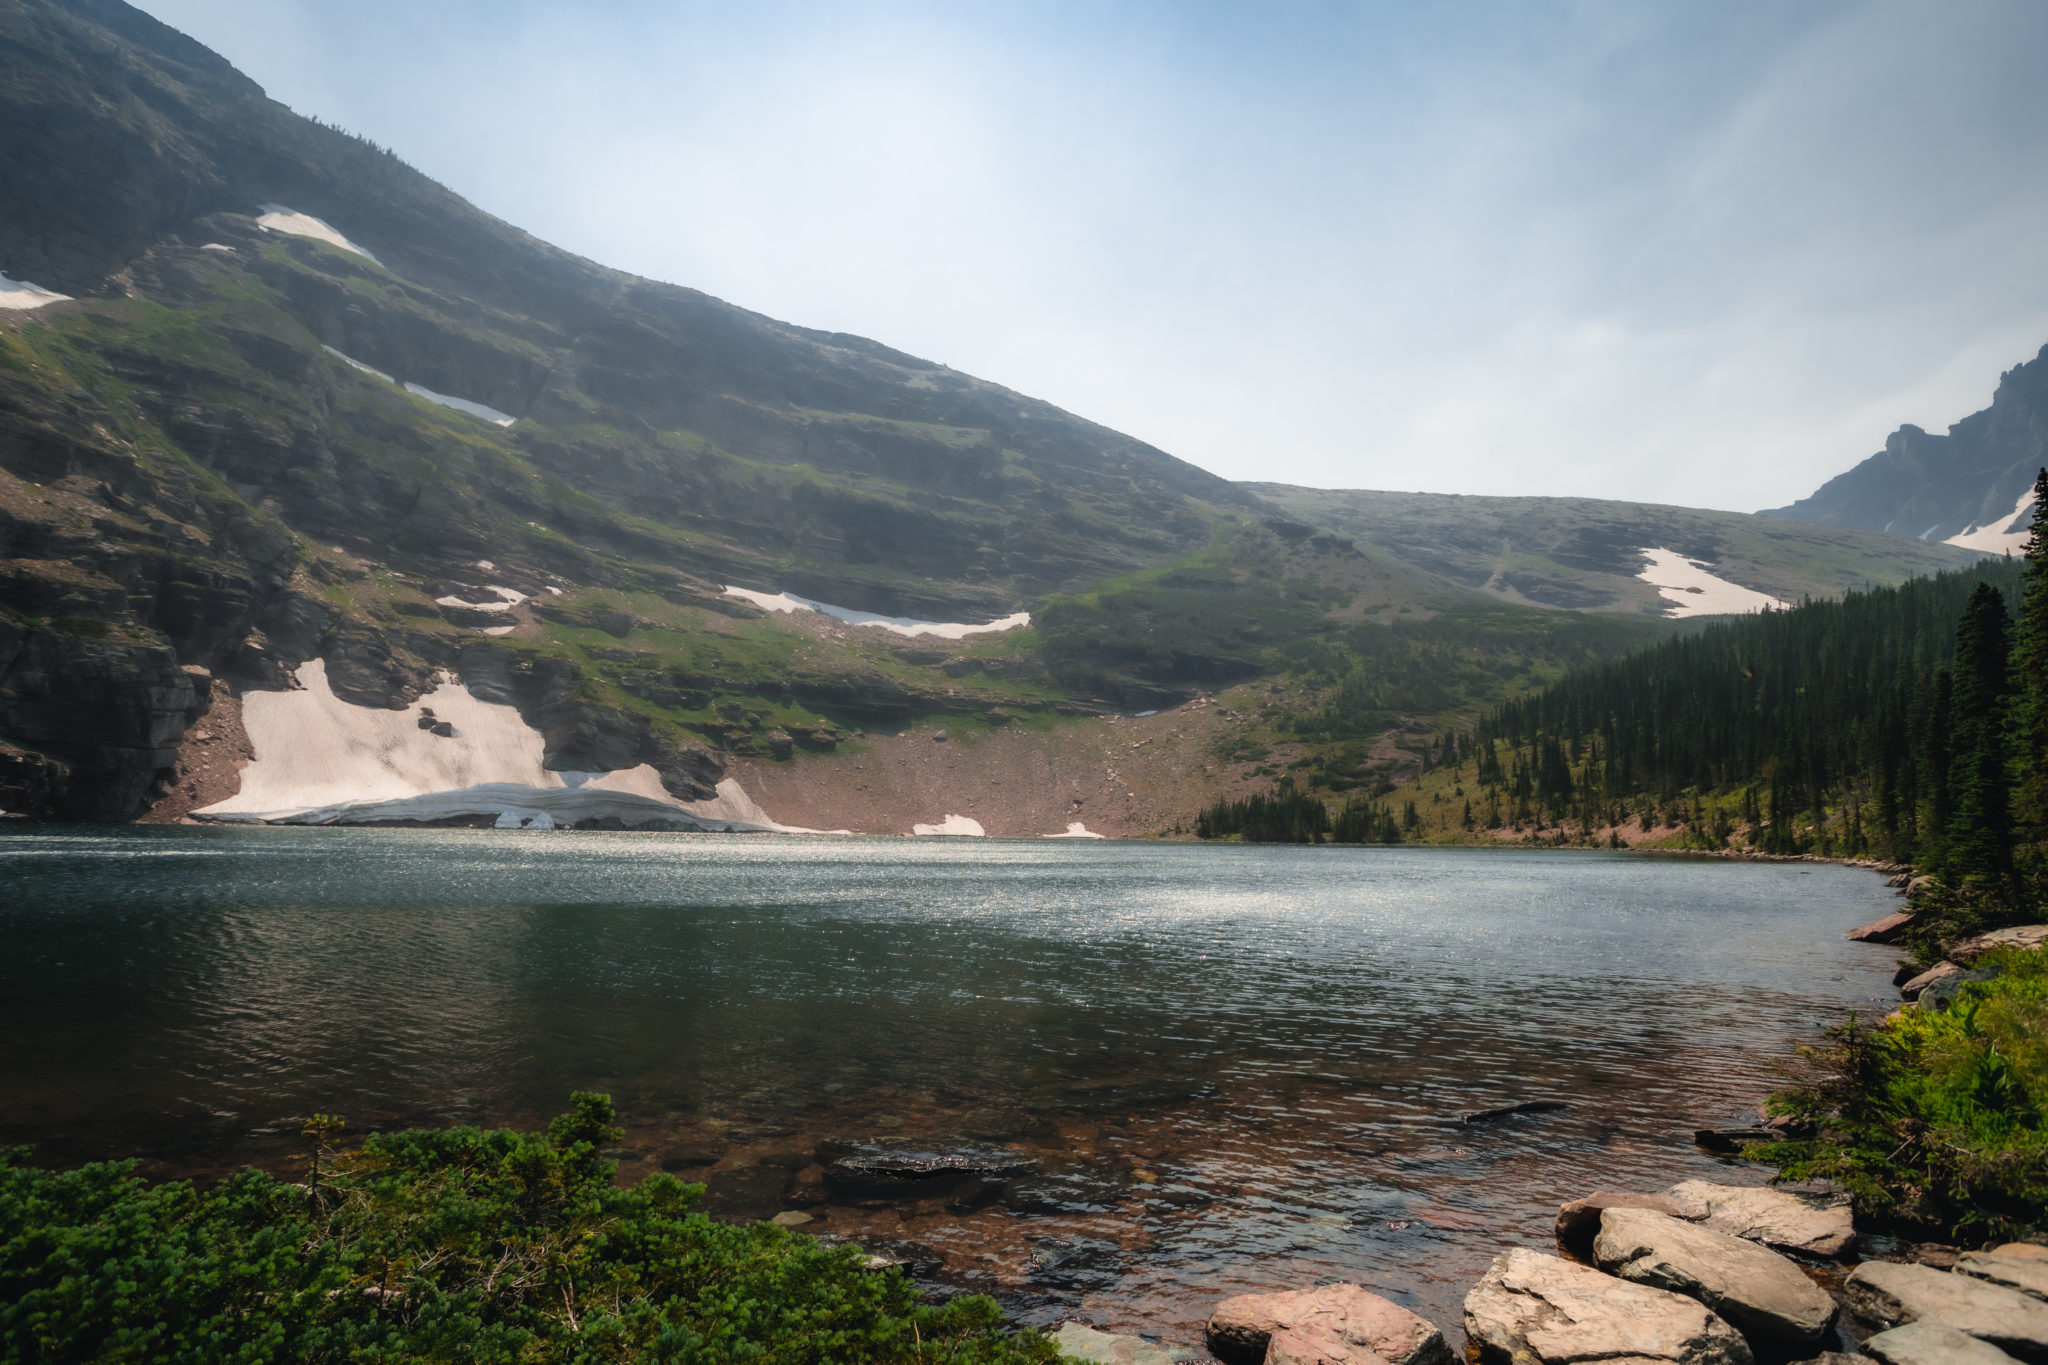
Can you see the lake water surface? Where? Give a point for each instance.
(1238, 1067)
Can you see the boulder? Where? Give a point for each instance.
(1913, 985)
(1933, 1343)
(1894, 1294)
(1807, 1225)
(2026, 1272)
(1882, 931)
(1345, 1322)
(1079, 1341)
(1579, 1221)
(1767, 1298)
(1306, 1346)
(1940, 993)
(2018, 936)
(1533, 1309)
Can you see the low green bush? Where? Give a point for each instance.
(1933, 1121)
(446, 1245)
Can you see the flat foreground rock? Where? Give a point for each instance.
(2027, 1273)
(1533, 1309)
(1933, 1343)
(1895, 1295)
(1765, 1296)
(1777, 1218)
(1332, 1319)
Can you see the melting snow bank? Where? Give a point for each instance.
(489, 414)
(1077, 830)
(508, 598)
(278, 218)
(901, 625)
(1992, 540)
(958, 825)
(478, 410)
(20, 294)
(321, 760)
(1691, 590)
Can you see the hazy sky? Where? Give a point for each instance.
(1706, 254)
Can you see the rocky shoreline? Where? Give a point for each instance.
(1697, 1274)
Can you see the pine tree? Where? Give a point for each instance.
(1979, 854)
(2029, 733)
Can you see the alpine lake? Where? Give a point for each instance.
(1216, 1069)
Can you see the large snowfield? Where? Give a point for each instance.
(21, 295)
(2005, 536)
(320, 760)
(278, 218)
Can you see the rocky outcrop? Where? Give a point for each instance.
(1881, 931)
(2018, 1265)
(2018, 936)
(1533, 1309)
(1891, 1294)
(1342, 1324)
(1765, 1296)
(1805, 1224)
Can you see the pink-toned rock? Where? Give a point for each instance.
(1307, 1346)
(1338, 1315)
(1883, 931)
(1911, 990)
(2019, 936)
(1579, 1221)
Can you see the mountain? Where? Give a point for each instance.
(304, 460)
(1969, 487)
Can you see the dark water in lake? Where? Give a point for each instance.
(1239, 1067)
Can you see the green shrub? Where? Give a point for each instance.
(1934, 1121)
(457, 1244)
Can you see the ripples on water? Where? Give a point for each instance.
(1242, 1067)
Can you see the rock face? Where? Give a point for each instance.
(1533, 1309)
(1579, 1221)
(1933, 1343)
(1891, 1294)
(1777, 1218)
(1338, 1323)
(1766, 1297)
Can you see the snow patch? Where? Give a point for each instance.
(21, 295)
(495, 630)
(487, 413)
(901, 625)
(321, 760)
(1076, 830)
(1690, 589)
(1993, 541)
(355, 364)
(218, 246)
(278, 218)
(508, 598)
(956, 825)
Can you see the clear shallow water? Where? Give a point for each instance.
(1244, 1067)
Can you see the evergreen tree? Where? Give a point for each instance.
(1979, 853)
(2030, 693)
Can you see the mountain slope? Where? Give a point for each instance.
(1968, 487)
(299, 403)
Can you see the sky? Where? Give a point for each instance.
(1699, 253)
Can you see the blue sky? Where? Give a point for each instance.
(1697, 253)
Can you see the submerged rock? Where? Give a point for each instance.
(1081, 1342)
(918, 1170)
(1764, 1295)
(1511, 1110)
(1533, 1309)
